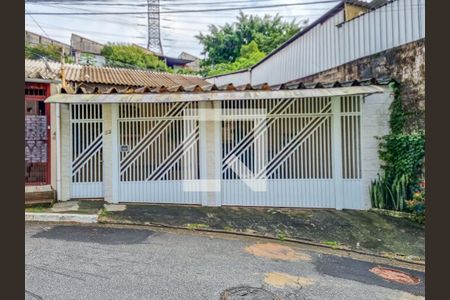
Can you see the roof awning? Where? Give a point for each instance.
(214, 95)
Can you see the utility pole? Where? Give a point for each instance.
(153, 26)
(63, 71)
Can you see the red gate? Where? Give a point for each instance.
(37, 134)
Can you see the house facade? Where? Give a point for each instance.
(282, 146)
(42, 79)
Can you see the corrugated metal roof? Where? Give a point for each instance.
(79, 74)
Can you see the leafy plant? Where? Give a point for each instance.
(49, 51)
(403, 155)
(250, 55)
(129, 56)
(333, 244)
(222, 44)
(281, 235)
(389, 195)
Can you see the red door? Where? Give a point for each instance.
(37, 134)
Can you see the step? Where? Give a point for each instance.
(40, 197)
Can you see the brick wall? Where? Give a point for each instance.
(406, 64)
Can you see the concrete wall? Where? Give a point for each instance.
(405, 64)
(35, 39)
(374, 123)
(54, 89)
(82, 44)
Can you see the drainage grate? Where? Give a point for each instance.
(395, 275)
(248, 293)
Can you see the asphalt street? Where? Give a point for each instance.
(105, 262)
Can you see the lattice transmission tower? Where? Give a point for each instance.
(154, 33)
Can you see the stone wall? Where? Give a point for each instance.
(405, 64)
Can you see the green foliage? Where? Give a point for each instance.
(281, 235)
(129, 56)
(387, 194)
(222, 44)
(185, 71)
(88, 58)
(417, 204)
(403, 155)
(332, 244)
(249, 55)
(195, 226)
(49, 51)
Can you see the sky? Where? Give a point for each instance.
(178, 30)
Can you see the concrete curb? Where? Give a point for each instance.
(298, 241)
(56, 217)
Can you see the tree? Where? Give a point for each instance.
(49, 51)
(223, 43)
(120, 55)
(248, 56)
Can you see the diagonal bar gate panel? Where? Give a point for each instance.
(158, 144)
(86, 122)
(290, 148)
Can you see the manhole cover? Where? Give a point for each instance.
(247, 292)
(395, 275)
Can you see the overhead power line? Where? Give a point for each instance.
(186, 11)
(167, 3)
(34, 20)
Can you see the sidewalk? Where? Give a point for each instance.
(365, 231)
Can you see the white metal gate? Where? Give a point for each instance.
(86, 150)
(295, 148)
(158, 152)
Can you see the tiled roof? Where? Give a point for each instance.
(196, 88)
(40, 69)
(79, 74)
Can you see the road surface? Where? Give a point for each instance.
(111, 262)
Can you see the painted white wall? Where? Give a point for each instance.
(374, 123)
(65, 158)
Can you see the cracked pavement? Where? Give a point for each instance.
(126, 262)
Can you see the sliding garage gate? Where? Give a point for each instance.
(305, 151)
(301, 155)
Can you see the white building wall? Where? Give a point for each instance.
(334, 43)
(236, 78)
(374, 123)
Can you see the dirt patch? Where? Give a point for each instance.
(276, 251)
(281, 280)
(395, 275)
(362, 230)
